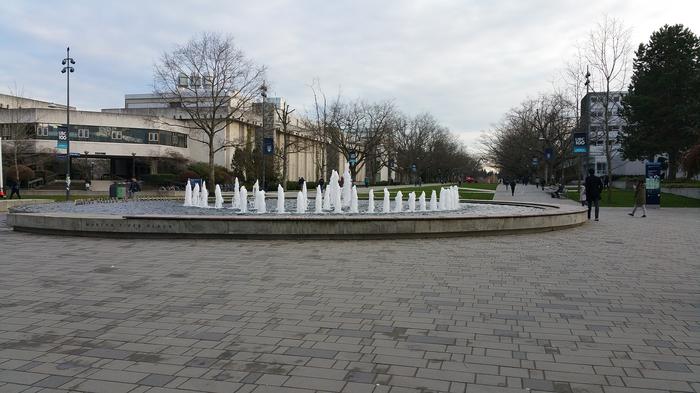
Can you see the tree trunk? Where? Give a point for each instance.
(14, 145)
(285, 158)
(212, 179)
(672, 166)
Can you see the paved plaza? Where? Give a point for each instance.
(609, 307)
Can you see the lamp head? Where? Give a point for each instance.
(63, 71)
(72, 61)
(63, 62)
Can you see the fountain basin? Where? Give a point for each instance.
(513, 218)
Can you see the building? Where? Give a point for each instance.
(113, 145)
(593, 107)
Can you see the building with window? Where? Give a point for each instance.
(593, 110)
(117, 145)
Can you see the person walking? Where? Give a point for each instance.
(14, 189)
(582, 195)
(640, 198)
(512, 187)
(594, 187)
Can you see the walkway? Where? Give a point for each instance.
(529, 193)
(609, 307)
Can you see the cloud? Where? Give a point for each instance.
(467, 62)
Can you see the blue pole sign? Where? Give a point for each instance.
(352, 159)
(653, 183)
(580, 144)
(268, 146)
(548, 153)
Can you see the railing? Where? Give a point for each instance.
(35, 182)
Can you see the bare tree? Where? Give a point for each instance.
(318, 122)
(359, 129)
(292, 140)
(608, 51)
(214, 83)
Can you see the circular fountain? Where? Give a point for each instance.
(335, 212)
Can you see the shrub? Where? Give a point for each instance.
(187, 174)
(161, 179)
(25, 173)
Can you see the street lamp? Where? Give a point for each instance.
(263, 93)
(133, 165)
(68, 69)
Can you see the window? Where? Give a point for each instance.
(116, 134)
(616, 98)
(597, 113)
(601, 167)
(83, 133)
(153, 136)
(614, 128)
(42, 131)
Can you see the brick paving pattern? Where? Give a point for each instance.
(609, 307)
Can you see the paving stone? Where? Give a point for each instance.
(156, 380)
(310, 352)
(537, 307)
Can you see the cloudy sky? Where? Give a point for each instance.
(467, 61)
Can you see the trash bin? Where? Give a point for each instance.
(121, 191)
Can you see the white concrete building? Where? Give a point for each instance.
(593, 107)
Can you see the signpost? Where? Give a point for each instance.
(580, 144)
(268, 146)
(548, 153)
(352, 158)
(535, 161)
(653, 184)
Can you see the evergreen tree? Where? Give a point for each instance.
(663, 106)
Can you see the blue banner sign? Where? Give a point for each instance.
(268, 146)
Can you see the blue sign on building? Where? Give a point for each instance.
(548, 153)
(268, 146)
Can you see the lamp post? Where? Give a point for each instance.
(2, 184)
(68, 69)
(133, 165)
(263, 93)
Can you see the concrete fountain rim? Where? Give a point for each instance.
(311, 226)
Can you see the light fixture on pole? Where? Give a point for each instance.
(68, 69)
(263, 93)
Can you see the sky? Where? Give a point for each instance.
(467, 62)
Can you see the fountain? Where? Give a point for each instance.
(236, 199)
(433, 201)
(398, 202)
(386, 206)
(204, 196)
(256, 188)
(259, 202)
(301, 206)
(421, 202)
(305, 193)
(353, 201)
(195, 195)
(243, 194)
(318, 202)
(335, 215)
(188, 193)
(411, 202)
(280, 199)
(347, 186)
(218, 199)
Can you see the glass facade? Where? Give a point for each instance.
(113, 134)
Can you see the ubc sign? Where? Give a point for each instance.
(653, 183)
(580, 143)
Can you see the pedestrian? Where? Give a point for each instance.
(321, 183)
(640, 198)
(594, 187)
(14, 189)
(582, 195)
(134, 187)
(542, 183)
(301, 182)
(606, 182)
(113, 190)
(512, 187)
